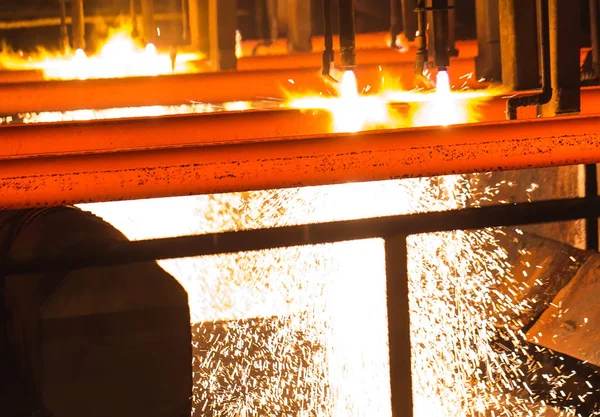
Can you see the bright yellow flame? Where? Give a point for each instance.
(239, 52)
(353, 112)
(119, 56)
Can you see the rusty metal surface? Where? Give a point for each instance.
(163, 170)
(570, 324)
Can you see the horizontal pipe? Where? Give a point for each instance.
(116, 253)
(179, 89)
(203, 168)
(33, 140)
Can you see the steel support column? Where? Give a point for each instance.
(77, 24)
(148, 24)
(519, 44)
(221, 33)
(64, 35)
(591, 192)
(299, 26)
(198, 17)
(410, 18)
(398, 308)
(488, 64)
(564, 59)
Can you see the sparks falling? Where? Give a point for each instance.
(302, 331)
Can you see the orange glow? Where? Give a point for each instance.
(119, 56)
(353, 111)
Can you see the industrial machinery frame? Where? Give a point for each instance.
(394, 230)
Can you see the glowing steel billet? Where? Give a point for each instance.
(21, 76)
(185, 88)
(34, 140)
(280, 163)
(39, 140)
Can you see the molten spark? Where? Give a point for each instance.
(325, 352)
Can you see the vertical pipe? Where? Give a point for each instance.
(595, 33)
(77, 24)
(591, 192)
(396, 269)
(328, 32)
(440, 33)
(421, 38)
(347, 33)
(565, 72)
(64, 36)
(452, 51)
(543, 35)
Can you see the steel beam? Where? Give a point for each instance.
(164, 169)
(178, 89)
(21, 76)
(39, 140)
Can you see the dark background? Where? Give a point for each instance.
(371, 15)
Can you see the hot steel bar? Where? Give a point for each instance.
(97, 254)
(168, 168)
(186, 88)
(207, 129)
